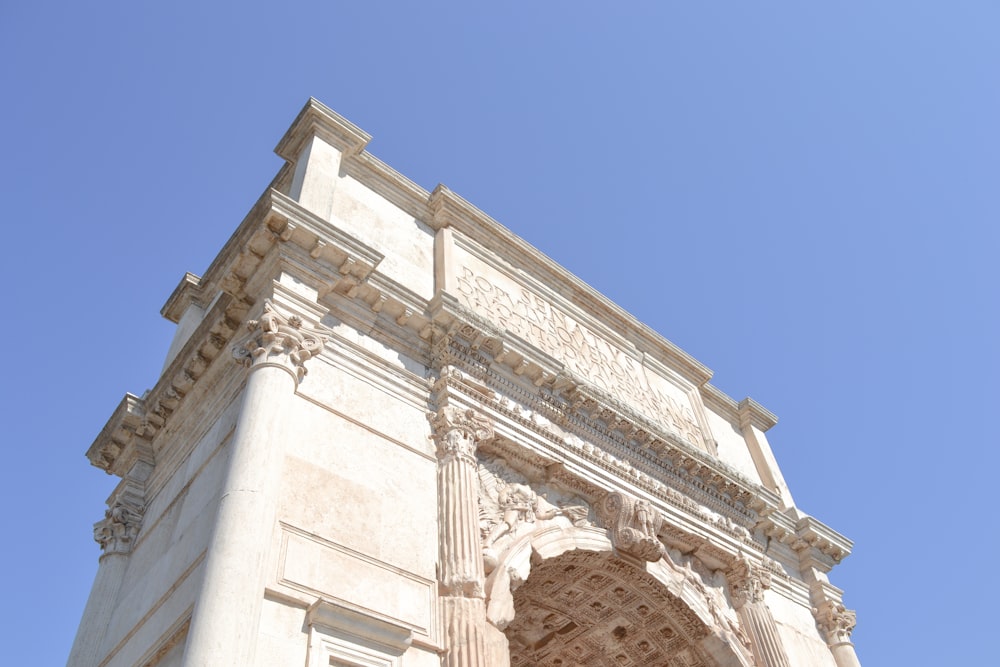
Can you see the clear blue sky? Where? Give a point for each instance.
(802, 195)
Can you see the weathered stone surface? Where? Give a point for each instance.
(438, 448)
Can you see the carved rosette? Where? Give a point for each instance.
(278, 340)
(633, 524)
(836, 621)
(458, 432)
(117, 531)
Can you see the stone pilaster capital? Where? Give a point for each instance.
(117, 531)
(747, 581)
(458, 432)
(279, 340)
(836, 621)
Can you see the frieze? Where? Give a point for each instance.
(584, 352)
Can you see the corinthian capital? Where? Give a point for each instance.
(836, 621)
(748, 581)
(458, 432)
(116, 532)
(279, 340)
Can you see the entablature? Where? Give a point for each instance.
(816, 544)
(709, 508)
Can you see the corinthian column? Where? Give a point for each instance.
(116, 534)
(749, 581)
(837, 622)
(227, 611)
(461, 578)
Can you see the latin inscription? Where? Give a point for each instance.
(584, 352)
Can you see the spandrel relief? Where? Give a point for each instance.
(510, 507)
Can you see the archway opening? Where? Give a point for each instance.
(590, 608)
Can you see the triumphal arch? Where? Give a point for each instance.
(389, 432)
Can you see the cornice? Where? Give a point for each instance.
(442, 207)
(317, 119)
(337, 260)
(335, 617)
(136, 422)
(816, 544)
(752, 413)
(188, 291)
(825, 546)
(719, 402)
(113, 450)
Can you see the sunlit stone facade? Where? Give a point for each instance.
(391, 433)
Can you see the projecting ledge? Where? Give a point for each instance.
(329, 615)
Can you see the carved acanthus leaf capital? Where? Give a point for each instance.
(836, 621)
(117, 531)
(458, 432)
(633, 524)
(277, 339)
(748, 581)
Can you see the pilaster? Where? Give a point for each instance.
(226, 617)
(116, 534)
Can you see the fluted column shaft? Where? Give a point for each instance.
(749, 580)
(757, 620)
(116, 533)
(461, 576)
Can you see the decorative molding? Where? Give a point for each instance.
(188, 291)
(752, 413)
(317, 119)
(135, 423)
(280, 340)
(330, 615)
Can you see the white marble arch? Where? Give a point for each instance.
(556, 538)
